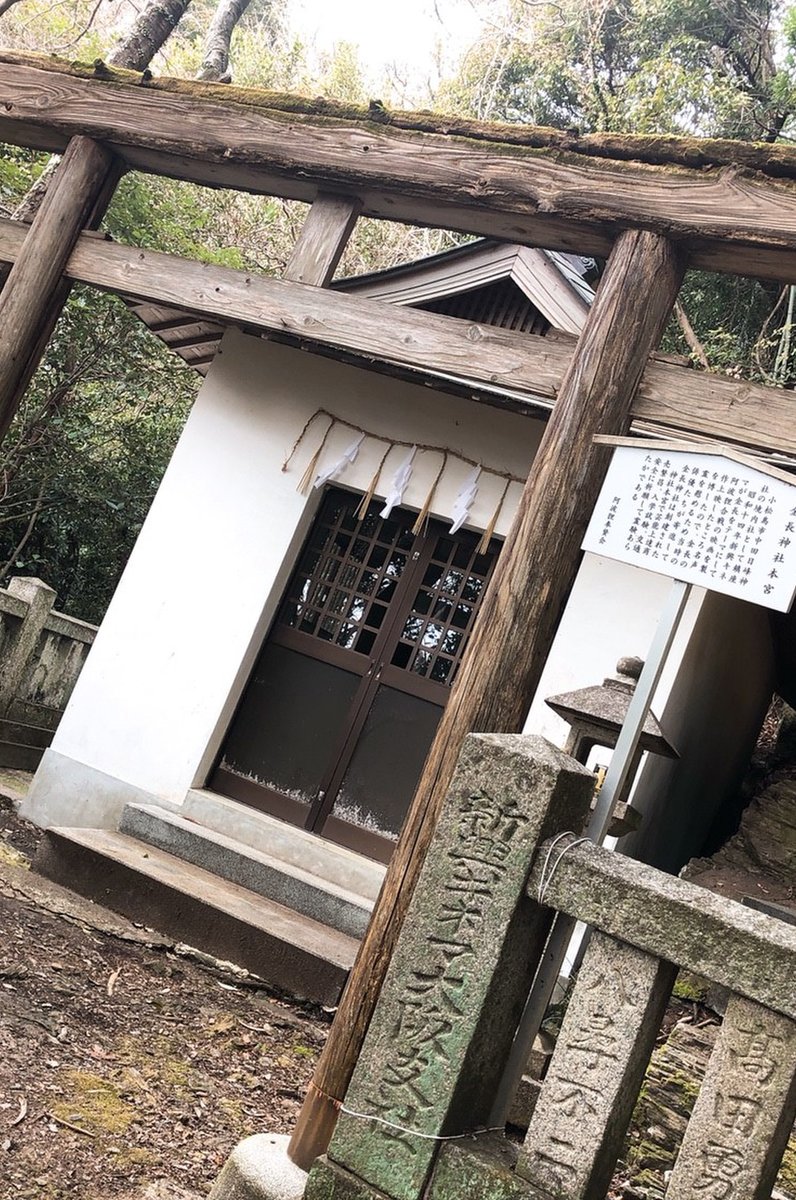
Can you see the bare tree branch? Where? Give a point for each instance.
(215, 57)
(694, 344)
(83, 31)
(23, 541)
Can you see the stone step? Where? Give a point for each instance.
(288, 950)
(297, 889)
(18, 756)
(287, 843)
(25, 734)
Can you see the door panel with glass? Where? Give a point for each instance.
(342, 705)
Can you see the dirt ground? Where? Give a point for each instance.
(123, 1061)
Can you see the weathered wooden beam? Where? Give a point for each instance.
(729, 219)
(689, 402)
(183, 321)
(198, 339)
(318, 249)
(35, 291)
(372, 327)
(322, 240)
(724, 941)
(776, 159)
(519, 617)
(715, 406)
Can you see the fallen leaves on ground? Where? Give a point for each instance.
(123, 1064)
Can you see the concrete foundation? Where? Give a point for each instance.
(68, 792)
(259, 1169)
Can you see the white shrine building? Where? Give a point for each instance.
(272, 667)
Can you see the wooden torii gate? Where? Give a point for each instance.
(652, 206)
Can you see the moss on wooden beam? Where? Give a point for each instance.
(654, 150)
(695, 153)
(508, 182)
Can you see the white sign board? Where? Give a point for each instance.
(709, 519)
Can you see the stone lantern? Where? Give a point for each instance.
(595, 716)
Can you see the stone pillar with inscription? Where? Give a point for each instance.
(579, 1123)
(744, 1112)
(441, 1033)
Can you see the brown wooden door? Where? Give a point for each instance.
(343, 703)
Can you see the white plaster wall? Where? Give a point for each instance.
(207, 571)
(613, 611)
(712, 713)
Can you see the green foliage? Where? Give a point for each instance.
(59, 28)
(18, 170)
(342, 75)
(731, 316)
(87, 451)
(179, 218)
(695, 67)
(97, 426)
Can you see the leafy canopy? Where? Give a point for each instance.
(700, 67)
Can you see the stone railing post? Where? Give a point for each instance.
(15, 662)
(441, 1033)
(744, 1113)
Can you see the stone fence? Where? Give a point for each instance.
(41, 655)
(422, 1118)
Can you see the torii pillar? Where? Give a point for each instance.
(36, 288)
(519, 618)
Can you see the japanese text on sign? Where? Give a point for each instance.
(703, 518)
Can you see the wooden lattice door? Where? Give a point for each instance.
(343, 703)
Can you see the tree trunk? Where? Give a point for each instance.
(215, 58)
(152, 28)
(519, 618)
